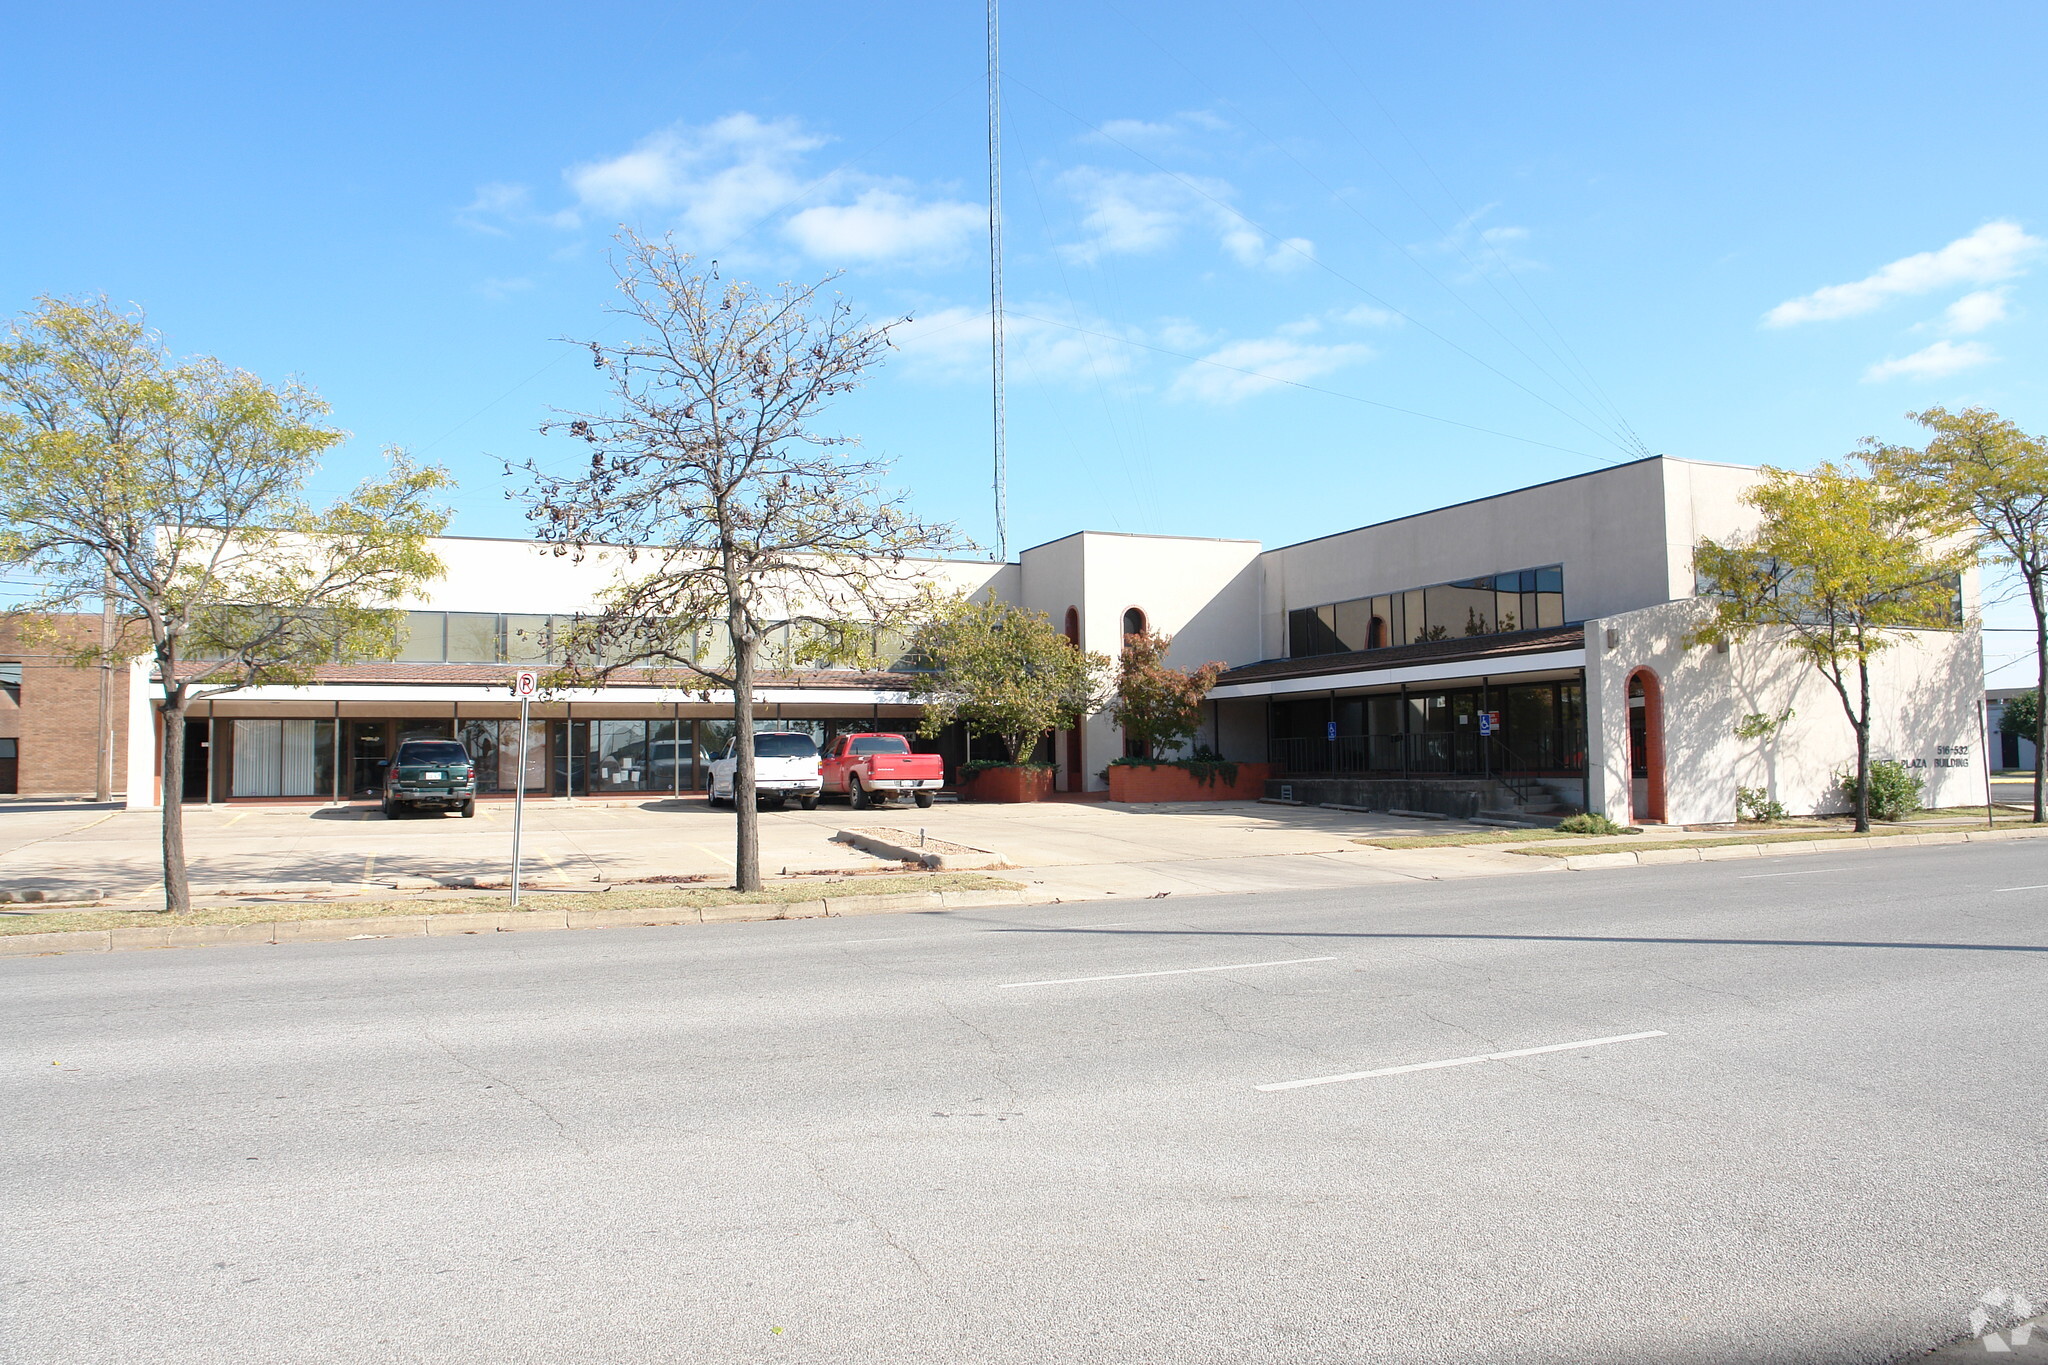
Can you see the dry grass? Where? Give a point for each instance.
(1492, 836)
(1641, 846)
(483, 902)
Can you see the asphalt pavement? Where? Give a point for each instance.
(1799, 1120)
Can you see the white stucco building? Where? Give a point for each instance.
(1521, 651)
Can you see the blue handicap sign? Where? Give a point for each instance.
(1333, 729)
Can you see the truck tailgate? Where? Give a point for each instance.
(929, 767)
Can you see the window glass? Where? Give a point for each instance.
(473, 638)
(619, 755)
(422, 637)
(1550, 579)
(1507, 608)
(881, 744)
(10, 681)
(1354, 624)
(1549, 608)
(526, 640)
(785, 746)
(432, 751)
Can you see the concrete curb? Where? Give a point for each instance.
(1593, 862)
(499, 922)
(979, 860)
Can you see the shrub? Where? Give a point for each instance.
(1205, 765)
(1156, 706)
(1591, 823)
(1894, 791)
(1754, 803)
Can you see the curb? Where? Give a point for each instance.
(1656, 857)
(498, 922)
(977, 861)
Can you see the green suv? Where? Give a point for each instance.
(430, 774)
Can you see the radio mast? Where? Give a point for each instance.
(995, 283)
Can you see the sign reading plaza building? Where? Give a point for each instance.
(1945, 756)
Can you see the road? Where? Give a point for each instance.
(1039, 1134)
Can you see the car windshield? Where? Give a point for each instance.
(433, 751)
(784, 746)
(881, 744)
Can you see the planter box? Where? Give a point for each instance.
(1008, 784)
(1140, 784)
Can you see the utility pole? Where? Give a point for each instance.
(995, 281)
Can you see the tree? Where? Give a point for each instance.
(1839, 561)
(2021, 715)
(748, 526)
(1985, 471)
(1004, 671)
(1158, 707)
(173, 488)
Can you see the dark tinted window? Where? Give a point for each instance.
(784, 746)
(433, 751)
(881, 744)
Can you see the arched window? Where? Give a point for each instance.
(1073, 630)
(1134, 623)
(1376, 634)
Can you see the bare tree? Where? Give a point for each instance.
(740, 523)
(171, 490)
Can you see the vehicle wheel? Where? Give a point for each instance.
(856, 794)
(924, 800)
(384, 805)
(809, 803)
(469, 809)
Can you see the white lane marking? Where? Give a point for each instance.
(1177, 971)
(1808, 872)
(1460, 1061)
(2042, 887)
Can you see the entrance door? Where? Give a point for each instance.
(369, 749)
(198, 754)
(1645, 748)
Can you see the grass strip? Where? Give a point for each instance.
(486, 902)
(1492, 836)
(1642, 846)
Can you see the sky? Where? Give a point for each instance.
(1272, 271)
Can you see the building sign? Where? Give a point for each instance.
(525, 683)
(1945, 756)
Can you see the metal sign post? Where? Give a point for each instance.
(524, 684)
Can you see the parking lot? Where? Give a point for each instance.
(1070, 850)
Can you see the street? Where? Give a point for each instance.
(1025, 1135)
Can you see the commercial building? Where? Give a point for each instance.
(1525, 651)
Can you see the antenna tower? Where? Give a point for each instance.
(995, 282)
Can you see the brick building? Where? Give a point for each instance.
(50, 737)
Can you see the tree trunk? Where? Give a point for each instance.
(177, 892)
(2040, 697)
(746, 806)
(1862, 721)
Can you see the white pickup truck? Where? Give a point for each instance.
(785, 765)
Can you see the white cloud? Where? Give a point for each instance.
(1931, 362)
(504, 288)
(1996, 251)
(1365, 315)
(1974, 312)
(952, 344)
(882, 224)
(1240, 369)
(1134, 131)
(718, 179)
(1485, 251)
(1127, 213)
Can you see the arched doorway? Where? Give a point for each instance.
(1077, 775)
(1645, 747)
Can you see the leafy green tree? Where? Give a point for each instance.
(1838, 563)
(2021, 715)
(1983, 470)
(754, 534)
(1158, 707)
(1004, 671)
(173, 489)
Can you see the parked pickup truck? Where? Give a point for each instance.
(430, 774)
(869, 769)
(785, 765)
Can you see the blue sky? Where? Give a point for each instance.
(1500, 243)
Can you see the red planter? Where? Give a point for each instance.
(1008, 784)
(1129, 782)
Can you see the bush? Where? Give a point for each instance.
(1205, 765)
(1894, 791)
(980, 765)
(1754, 803)
(1590, 823)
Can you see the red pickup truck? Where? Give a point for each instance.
(869, 769)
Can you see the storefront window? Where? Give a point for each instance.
(281, 758)
(473, 638)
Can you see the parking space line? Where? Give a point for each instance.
(2042, 887)
(1459, 1061)
(1177, 971)
(1805, 872)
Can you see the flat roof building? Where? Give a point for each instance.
(1522, 652)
